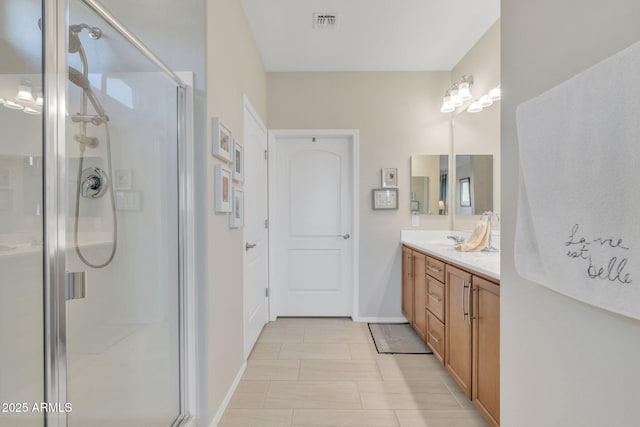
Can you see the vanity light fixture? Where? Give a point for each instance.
(457, 94)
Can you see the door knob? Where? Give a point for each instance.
(249, 246)
(346, 236)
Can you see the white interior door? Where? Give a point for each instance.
(312, 225)
(256, 267)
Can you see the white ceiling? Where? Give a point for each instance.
(372, 35)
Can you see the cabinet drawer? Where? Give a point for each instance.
(435, 269)
(435, 336)
(435, 298)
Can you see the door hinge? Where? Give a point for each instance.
(266, 154)
(266, 292)
(266, 223)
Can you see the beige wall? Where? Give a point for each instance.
(234, 68)
(564, 363)
(398, 114)
(479, 133)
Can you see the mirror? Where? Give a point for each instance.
(474, 186)
(429, 184)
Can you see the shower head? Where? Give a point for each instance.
(77, 78)
(74, 40)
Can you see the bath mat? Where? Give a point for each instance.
(397, 338)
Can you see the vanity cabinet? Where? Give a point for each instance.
(457, 313)
(407, 283)
(419, 293)
(414, 289)
(458, 332)
(486, 349)
(435, 307)
(473, 339)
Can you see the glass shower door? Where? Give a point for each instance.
(122, 313)
(21, 215)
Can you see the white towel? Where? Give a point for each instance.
(577, 227)
(478, 239)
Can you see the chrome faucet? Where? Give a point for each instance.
(457, 239)
(488, 217)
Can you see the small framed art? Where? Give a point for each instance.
(389, 177)
(222, 140)
(236, 217)
(238, 162)
(222, 189)
(385, 198)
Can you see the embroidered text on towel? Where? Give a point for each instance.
(596, 250)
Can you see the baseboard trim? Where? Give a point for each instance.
(380, 319)
(227, 398)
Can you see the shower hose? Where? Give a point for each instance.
(113, 207)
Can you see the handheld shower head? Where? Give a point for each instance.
(77, 78)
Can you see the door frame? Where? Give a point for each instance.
(354, 142)
(249, 110)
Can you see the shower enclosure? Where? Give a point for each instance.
(93, 224)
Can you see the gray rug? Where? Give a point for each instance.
(397, 338)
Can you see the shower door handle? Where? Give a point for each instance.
(76, 285)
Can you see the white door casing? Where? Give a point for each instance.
(313, 223)
(255, 233)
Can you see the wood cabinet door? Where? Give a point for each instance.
(458, 327)
(486, 349)
(407, 283)
(419, 294)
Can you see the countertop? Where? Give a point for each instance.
(435, 243)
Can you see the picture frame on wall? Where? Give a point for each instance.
(389, 177)
(236, 217)
(385, 198)
(222, 189)
(222, 140)
(238, 162)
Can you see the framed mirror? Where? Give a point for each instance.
(474, 186)
(430, 184)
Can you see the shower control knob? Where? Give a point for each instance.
(93, 183)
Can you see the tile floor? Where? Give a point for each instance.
(326, 372)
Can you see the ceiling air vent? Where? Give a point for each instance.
(323, 21)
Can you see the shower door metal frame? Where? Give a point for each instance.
(54, 32)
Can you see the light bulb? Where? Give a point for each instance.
(32, 111)
(485, 101)
(475, 107)
(13, 105)
(495, 94)
(39, 97)
(447, 107)
(464, 93)
(24, 93)
(455, 97)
